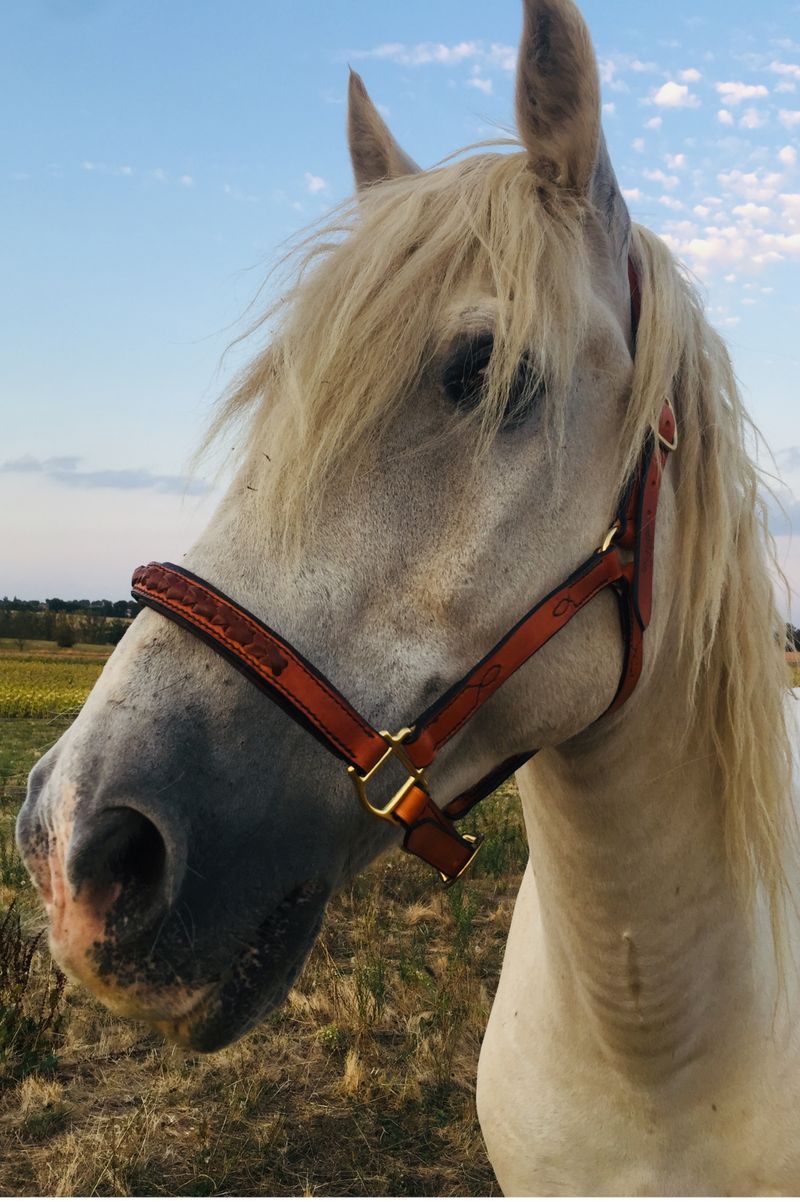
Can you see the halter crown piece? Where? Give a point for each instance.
(279, 671)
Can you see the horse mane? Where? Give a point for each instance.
(352, 335)
(731, 635)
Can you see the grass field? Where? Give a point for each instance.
(363, 1084)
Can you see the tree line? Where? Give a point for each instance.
(66, 622)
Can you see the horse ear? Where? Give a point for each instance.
(374, 153)
(558, 92)
(610, 203)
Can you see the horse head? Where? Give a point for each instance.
(437, 433)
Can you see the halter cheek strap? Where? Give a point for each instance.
(304, 693)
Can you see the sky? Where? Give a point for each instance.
(160, 152)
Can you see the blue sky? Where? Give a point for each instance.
(159, 151)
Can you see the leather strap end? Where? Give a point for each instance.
(432, 837)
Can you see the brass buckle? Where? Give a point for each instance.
(673, 445)
(417, 775)
(477, 840)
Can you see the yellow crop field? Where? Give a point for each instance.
(42, 686)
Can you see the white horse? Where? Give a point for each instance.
(437, 433)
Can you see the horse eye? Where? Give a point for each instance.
(463, 377)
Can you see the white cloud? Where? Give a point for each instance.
(102, 169)
(757, 232)
(735, 93)
(791, 69)
(636, 65)
(64, 470)
(485, 85)
(160, 174)
(683, 229)
(608, 76)
(788, 118)
(671, 202)
(751, 186)
(654, 123)
(790, 202)
(633, 194)
(236, 194)
(638, 145)
(701, 210)
(753, 119)
(729, 279)
(609, 110)
(690, 76)
(785, 86)
(187, 181)
(669, 181)
(724, 117)
(753, 212)
(675, 95)
(788, 156)
(315, 183)
(495, 54)
(675, 161)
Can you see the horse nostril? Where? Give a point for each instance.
(122, 854)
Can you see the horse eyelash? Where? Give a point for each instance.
(463, 380)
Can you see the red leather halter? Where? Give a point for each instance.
(278, 670)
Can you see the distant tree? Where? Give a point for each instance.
(24, 628)
(92, 628)
(64, 631)
(115, 630)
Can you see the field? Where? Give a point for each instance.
(45, 685)
(363, 1084)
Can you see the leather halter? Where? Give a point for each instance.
(279, 671)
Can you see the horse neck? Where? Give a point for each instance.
(642, 934)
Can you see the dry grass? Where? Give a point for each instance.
(363, 1084)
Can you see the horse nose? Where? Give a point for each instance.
(121, 867)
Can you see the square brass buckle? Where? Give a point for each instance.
(417, 775)
(477, 842)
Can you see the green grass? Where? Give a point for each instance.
(23, 741)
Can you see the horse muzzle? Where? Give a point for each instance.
(133, 922)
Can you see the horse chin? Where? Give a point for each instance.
(258, 981)
(206, 1015)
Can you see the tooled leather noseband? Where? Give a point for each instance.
(278, 670)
